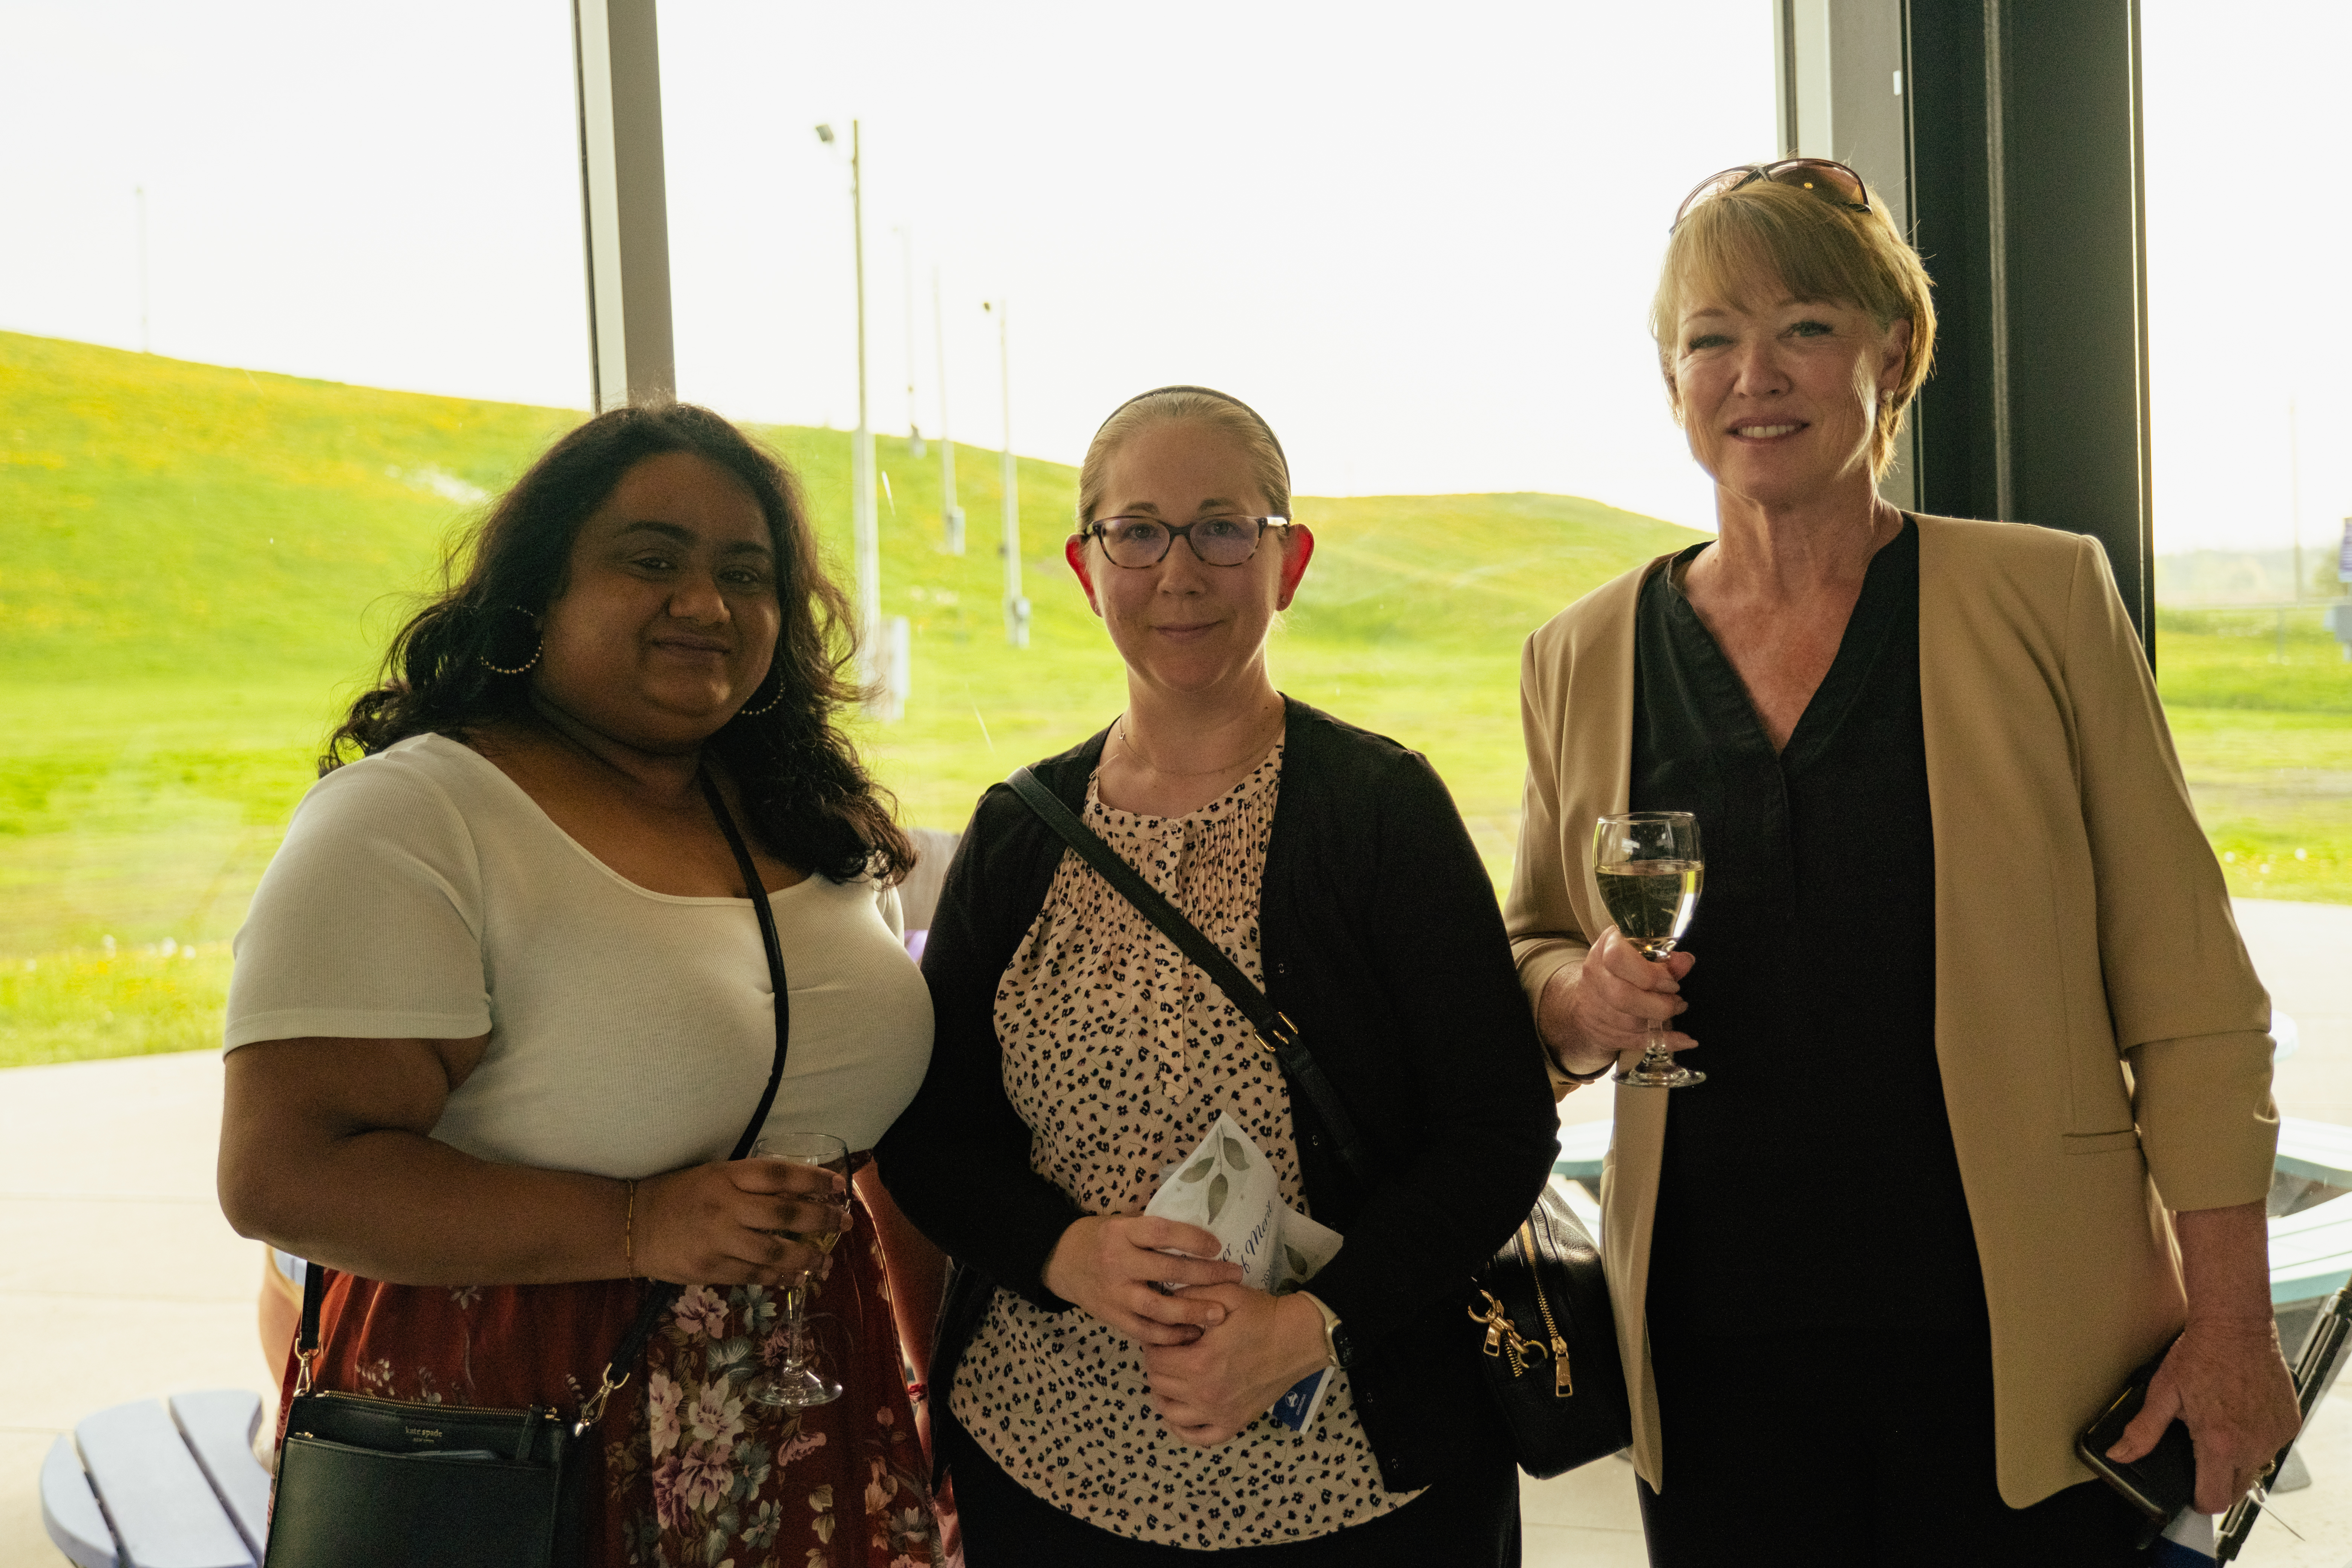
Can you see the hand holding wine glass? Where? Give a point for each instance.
(1649, 870)
(796, 1382)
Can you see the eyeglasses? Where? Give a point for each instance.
(1140, 541)
(1830, 180)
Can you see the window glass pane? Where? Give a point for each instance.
(2254, 478)
(1424, 253)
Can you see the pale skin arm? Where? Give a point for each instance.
(1597, 1015)
(1110, 1264)
(1212, 1388)
(1206, 1384)
(325, 1152)
(2224, 1375)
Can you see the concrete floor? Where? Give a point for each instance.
(119, 1277)
(119, 1280)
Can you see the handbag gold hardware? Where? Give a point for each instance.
(1563, 1386)
(594, 1410)
(1503, 1336)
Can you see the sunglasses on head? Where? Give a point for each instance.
(1824, 177)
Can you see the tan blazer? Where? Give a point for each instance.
(2101, 1033)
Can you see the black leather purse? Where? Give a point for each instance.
(1550, 1339)
(1552, 1342)
(379, 1483)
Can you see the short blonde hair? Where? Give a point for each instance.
(1219, 411)
(1730, 246)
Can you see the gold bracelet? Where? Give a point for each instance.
(629, 1230)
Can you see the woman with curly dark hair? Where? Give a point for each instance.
(502, 1007)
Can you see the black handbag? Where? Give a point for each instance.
(1552, 1342)
(381, 1483)
(1550, 1339)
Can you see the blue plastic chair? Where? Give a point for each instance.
(160, 1484)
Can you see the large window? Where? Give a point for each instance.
(2254, 479)
(1426, 253)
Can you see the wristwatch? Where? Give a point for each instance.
(1335, 1337)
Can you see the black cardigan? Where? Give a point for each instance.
(1379, 938)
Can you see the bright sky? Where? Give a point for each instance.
(1419, 239)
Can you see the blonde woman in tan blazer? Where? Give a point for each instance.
(1987, 1116)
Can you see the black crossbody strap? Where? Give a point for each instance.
(760, 906)
(1275, 1031)
(314, 1291)
(658, 1296)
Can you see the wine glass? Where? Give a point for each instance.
(1649, 867)
(797, 1383)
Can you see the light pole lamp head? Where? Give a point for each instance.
(824, 134)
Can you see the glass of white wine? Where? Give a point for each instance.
(1649, 867)
(796, 1381)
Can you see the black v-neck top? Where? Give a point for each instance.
(1811, 1180)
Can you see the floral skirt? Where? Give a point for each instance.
(691, 1471)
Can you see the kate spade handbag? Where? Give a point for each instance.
(1549, 1336)
(379, 1483)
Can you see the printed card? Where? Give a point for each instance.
(1226, 1187)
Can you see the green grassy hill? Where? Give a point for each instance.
(203, 561)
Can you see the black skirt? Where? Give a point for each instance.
(1471, 1519)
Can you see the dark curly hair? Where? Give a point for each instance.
(807, 795)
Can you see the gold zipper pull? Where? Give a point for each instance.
(1495, 1321)
(1562, 1386)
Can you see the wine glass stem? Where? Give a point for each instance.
(795, 1324)
(1654, 1055)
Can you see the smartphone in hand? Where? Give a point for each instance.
(2160, 1482)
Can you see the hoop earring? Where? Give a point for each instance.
(540, 647)
(765, 707)
(519, 669)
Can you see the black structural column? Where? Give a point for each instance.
(2009, 143)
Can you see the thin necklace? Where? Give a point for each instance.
(1129, 741)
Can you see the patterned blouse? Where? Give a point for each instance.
(1120, 1055)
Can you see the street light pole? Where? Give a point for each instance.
(882, 664)
(1016, 607)
(865, 526)
(950, 514)
(907, 278)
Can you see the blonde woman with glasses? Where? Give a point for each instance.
(1088, 1414)
(1987, 1115)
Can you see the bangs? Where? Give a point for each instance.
(1730, 250)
